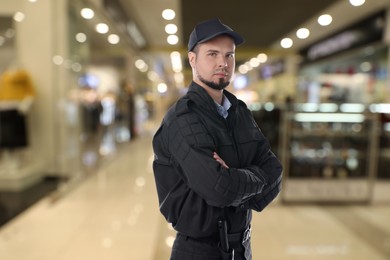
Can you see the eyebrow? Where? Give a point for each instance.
(212, 50)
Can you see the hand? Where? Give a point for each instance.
(219, 159)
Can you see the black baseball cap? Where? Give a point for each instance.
(209, 29)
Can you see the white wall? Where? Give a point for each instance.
(39, 37)
(8, 7)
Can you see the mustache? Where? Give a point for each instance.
(224, 71)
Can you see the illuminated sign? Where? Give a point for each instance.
(365, 32)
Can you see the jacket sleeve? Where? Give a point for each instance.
(192, 150)
(268, 166)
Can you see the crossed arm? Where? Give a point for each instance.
(260, 201)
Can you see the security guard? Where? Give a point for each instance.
(212, 164)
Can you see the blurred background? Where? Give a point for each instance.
(84, 85)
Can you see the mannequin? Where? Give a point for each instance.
(16, 97)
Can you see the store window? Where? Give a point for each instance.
(7, 48)
(101, 84)
(355, 77)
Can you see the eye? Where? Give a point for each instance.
(230, 55)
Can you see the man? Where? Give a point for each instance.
(212, 165)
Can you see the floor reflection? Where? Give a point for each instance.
(12, 203)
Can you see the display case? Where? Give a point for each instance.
(329, 153)
(383, 111)
(268, 119)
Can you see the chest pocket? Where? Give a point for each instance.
(249, 141)
(247, 130)
(251, 134)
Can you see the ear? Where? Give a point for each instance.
(191, 58)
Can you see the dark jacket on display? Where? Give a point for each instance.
(194, 190)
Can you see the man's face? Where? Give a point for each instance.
(213, 62)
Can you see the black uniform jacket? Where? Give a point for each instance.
(194, 190)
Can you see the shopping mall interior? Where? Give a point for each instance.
(84, 85)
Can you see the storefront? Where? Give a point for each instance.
(337, 131)
(79, 89)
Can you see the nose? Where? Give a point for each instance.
(223, 62)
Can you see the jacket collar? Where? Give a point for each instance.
(200, 96)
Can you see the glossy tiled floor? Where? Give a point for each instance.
(114, 215)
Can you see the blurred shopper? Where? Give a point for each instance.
(212, 165)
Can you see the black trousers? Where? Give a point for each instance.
(186, 248)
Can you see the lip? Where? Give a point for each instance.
(221, 74)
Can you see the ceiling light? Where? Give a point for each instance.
(58, 60)
(170, 28)
(168, 14)
(286, 43)
(87, 13)
(76, 67)
(243, 69)
(152, 75)
(303, 33)
(113, 39)
(325, 19)
(139, 64)
(81, 37)
(254, 62)
(248, 66)
(357, 2)
(172, 39)
(144, 69)
(176, 61)
(162, 88)
(262, 57)
(102, 28)
(19, 16)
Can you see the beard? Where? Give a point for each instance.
(218, 86)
